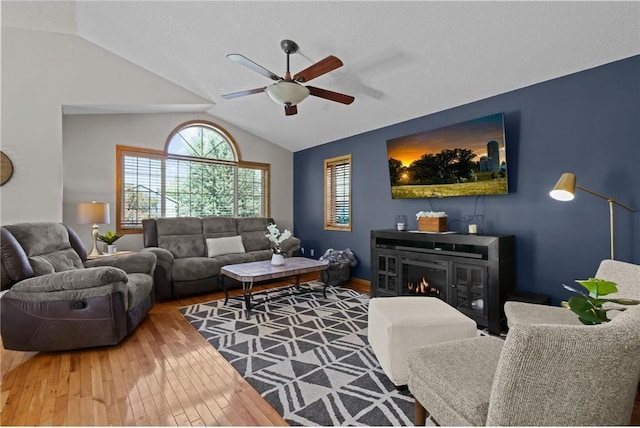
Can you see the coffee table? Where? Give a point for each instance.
(249, 273)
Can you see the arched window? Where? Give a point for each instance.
(198, 174)
(202, 140)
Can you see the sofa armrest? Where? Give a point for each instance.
(130, 263)
(290, 246)
(164, 259)
(72, 285)
(532, 313)
(163, 255)
(77, 279)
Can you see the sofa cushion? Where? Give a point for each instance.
(182, 236)
(58, 261)
(253, 231)
(215, 227)
(41, 266)
(47, 247)
(40, 238)
(255, 241)
(193, 268)
(253, 256)
(455, 378)
(224, 245)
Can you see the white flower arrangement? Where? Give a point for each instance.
(431, 214)
(276, 237)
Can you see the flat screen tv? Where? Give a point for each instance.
(465, 159)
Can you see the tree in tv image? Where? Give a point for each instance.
(468, 158)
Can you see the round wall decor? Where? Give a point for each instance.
(6, 168)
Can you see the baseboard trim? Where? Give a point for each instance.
(361, 285)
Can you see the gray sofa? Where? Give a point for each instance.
(190, 252)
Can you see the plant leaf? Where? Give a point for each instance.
(598, 287)
(109, 237)
(597, 302)
(587, 312)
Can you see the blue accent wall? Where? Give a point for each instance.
(587, 123)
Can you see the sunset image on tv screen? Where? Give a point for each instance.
(468, 158)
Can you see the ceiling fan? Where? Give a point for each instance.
(289, 91)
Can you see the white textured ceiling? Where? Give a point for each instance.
(401, 59)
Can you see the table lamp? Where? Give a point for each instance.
(94, 213)
(565, 190)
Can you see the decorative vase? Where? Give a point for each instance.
(277, 260)
(111, 249)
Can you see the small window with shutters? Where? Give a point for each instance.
(337, 193)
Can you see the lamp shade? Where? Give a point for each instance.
(93, 213)
(565, 188)
(287, 93)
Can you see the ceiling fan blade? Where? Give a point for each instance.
(318, 69)
(241, 59)
(330, 95)
(242, 93)
(290, 110)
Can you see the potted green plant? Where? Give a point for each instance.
(110, 238)
(588, 306)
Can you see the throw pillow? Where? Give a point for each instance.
(224, 245)
(41, 266)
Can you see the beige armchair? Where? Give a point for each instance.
(625, 275)
(542, 374)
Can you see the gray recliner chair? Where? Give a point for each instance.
(541, 375)
(55, 299)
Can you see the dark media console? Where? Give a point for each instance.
(472, 273)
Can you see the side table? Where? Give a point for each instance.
(116, 254)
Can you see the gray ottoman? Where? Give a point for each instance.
(398, 324)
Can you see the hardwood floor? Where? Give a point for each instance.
(163, 374)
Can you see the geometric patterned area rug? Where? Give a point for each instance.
(307, 356)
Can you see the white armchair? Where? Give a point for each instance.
(541, 375)
(625, 275)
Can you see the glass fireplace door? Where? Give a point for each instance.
(424, 278)
(469, 288)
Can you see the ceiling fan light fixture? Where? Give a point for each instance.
(287, 93)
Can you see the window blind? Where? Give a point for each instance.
(152, 184)
(338, 193)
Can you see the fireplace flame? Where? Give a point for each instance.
(423, 287)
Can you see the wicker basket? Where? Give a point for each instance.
(432, 224)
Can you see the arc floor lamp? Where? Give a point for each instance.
(565, 190)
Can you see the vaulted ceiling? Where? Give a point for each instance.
(401, 59)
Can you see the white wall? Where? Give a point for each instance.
(89, 144)
(42, 72)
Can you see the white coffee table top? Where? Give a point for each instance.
(264, 270)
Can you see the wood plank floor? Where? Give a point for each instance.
(163, 374)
